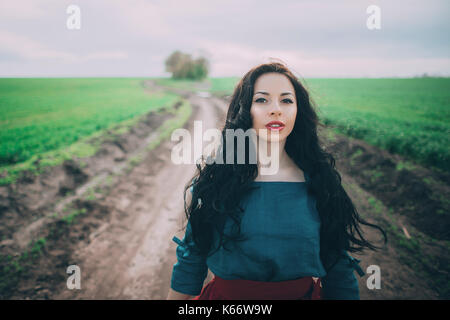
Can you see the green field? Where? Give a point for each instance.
(410, 117)
(38, 116)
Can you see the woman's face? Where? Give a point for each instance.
(274, 101)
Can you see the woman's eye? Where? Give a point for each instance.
(284, 100)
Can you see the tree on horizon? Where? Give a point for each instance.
(182, 66)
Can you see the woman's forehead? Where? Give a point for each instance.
(273, 83)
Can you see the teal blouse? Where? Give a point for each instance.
(282, 226)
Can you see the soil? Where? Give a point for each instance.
(122, 243)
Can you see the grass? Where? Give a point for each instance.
(181, 83)
(47, 121)
(181, 116)
(165, 130)
(354, 155)
(69, 219)
(405, 165)
(223, 86)
(410, 117)
(374, 175)
(12, 269)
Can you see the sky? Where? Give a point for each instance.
(315, 38)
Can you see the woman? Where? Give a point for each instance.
(284, 235)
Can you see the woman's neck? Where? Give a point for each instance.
(274, 164)
(273, 160)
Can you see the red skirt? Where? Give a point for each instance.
(306, 288)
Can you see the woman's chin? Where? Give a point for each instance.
(274, 138)
(267, 135)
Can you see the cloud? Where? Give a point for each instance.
(316, 38)
(27, 48)
(104, 55)
(142, 18)
(30, 9)
(30, 49)
(231, 59)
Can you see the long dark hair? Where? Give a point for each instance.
(221, 186)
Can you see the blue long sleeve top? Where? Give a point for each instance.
(282, 226)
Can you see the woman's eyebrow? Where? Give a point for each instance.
(267, 94)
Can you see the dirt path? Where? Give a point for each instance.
(131, 254)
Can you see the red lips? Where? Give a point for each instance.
(270, 126)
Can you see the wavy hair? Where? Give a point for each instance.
(218, 188)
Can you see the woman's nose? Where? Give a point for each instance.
(275, 109)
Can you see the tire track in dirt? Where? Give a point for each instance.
(398, 280)
(132, 255)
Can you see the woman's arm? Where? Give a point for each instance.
(190, 270)
(340, 283)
